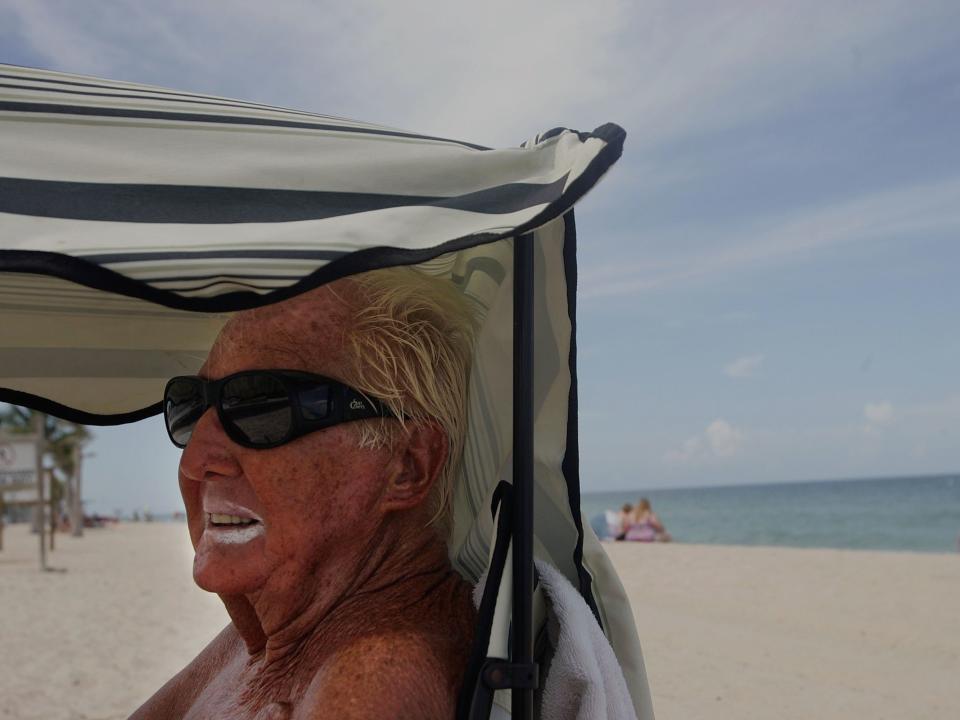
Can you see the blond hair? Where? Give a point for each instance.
(410, 343)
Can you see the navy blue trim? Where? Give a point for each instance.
(473, 698)
(201, 205)
(521, 628)
(92, 275)
(116, 257)
(94, 111)
(36, 402)
(221, 276)
(222, 281)
(571, 458)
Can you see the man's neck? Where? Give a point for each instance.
(293, 618)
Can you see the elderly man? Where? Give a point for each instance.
(320, 439)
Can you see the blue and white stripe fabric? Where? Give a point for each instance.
(135, 219)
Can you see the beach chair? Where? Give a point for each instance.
(135, 219)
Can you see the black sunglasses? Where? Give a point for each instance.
(264, 408)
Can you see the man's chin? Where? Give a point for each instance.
(225, 580)
(226, 570)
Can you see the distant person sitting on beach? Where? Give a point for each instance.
(321, 438)
(626, 512)
(643, 525)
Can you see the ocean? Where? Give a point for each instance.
(918, 514)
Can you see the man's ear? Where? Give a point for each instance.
(421, 455)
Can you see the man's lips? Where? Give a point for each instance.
(232, 529)
(223, 520)
(229, 522)
(224, 513)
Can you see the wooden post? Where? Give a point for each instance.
(76, 499)
(53, 509)
(40, 420)
(41, 507)
(68, 497)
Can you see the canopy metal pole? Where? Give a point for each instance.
(521, 629)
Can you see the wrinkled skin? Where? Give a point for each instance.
(343, 605)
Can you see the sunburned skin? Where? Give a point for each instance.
(343, 604)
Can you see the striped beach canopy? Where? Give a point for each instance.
(134, 220)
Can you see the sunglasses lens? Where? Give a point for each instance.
(258, 407)
(182, 408)
(315, 402)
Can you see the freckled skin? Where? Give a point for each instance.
(345, 606)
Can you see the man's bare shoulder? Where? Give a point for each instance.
(178, 695)
(387, 676)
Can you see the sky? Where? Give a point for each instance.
(768, 278)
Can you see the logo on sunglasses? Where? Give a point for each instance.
(357, 405)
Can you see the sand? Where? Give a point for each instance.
(727, 632)
(761, 633)
(98, 639)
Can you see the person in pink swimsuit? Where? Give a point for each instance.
(643, 525)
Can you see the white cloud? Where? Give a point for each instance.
(945, 411)
(878, 413)
(724, 438)
(666, 70)
(904, 212)
(719, 65)
(720, 439)
(743, 367)
(669, 72)
(691, 449)
(498, 76)
(922, 438)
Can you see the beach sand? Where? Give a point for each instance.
(97, 640)
(727, 632)
(758, 633)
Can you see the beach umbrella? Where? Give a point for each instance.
(134, 220)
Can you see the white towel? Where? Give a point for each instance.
(584, 680)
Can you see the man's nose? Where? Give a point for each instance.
(209, 455)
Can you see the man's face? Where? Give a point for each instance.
(313, 500)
